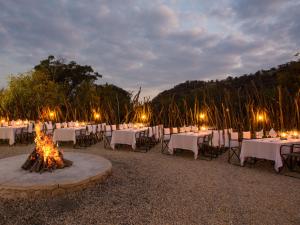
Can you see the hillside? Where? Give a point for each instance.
(273, 91)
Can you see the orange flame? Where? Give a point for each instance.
(46, 149)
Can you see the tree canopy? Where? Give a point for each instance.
(68, 89)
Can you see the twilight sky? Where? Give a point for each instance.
(150, 43)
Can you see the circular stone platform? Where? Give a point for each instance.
(86, 170)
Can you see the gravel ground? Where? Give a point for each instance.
(151, 188)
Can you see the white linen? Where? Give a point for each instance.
(215, 138)
(234, 139)
(194, 129)
(66, 134)
(156, 133)
(49, 125)
(273, 133)
(268, 148)
(8, 133)
(226, 138)
(187, 141)
(125, 136)
(259, 134)
(246, 135)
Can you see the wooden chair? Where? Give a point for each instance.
(166, 136)
(204, 146)
(80, 138)
(234, 148)
(143, 140)
(290, 155)
(19, 136)
(107, 136)
(259, 134)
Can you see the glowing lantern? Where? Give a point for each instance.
(203, 128)
(51, 115)
(201, 116)
(295, 134)
(283, 136)
(143, 117)
(97, 116)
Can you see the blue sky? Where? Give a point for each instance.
(153, 44)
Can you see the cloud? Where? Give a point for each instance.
(153, 44)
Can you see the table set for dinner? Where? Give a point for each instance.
(267, 148)
(9, 132)
(187, 141)
(66, 134)
(127, 136)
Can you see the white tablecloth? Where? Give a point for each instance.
(125, 136)
(8, 133)
(66, 134)
(187, 141)
(268, 148)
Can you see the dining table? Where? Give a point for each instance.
(266, 148)
(9, 133)
(127, 136)
(186, 141)
(66, 134)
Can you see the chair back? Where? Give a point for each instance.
(166, 133)
(207, 139)
(156, 133)
(195, 129)
(12, 123)
(234, 139)
(174, 130)
(226, 138)
(102, 127)
(49, 125)
(83, 132)
(58, 125)
(94, 128)
(18, 131)
(107, 130)
(182, 130)
(113, 127)
(221, 137)
(99, 128)
(272, 133)
(215, 142)
(259, 134)
(89, 129)
(188, 129)
(30, 128)
(246, 135)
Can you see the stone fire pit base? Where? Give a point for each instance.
(86, 170)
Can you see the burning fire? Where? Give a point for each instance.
(45, 156)
(46, 149)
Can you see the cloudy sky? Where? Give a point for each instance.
(153, 44)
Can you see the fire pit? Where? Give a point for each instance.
(45, 156)
(16, 182)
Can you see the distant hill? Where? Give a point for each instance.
(275, 91)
